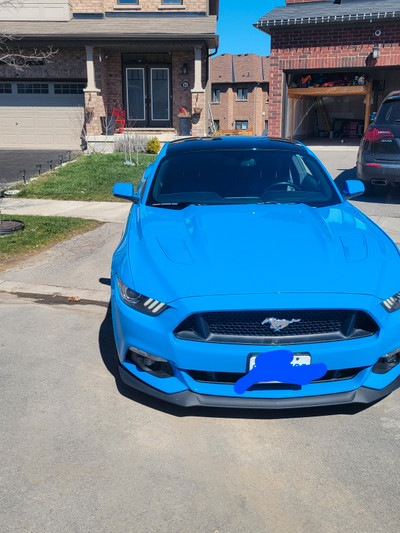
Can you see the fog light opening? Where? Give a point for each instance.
(387, 362)
(152, 364)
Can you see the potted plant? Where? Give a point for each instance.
(185, 122)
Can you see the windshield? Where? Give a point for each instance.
(240, 177)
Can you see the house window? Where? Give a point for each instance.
(128, 1)
(215, 96)
(241, 124)
(171, 2)
(5, 88)
(216, 125)
(32, 88)
(69, 88)
(242, 94)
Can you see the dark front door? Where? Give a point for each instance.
(148, 96)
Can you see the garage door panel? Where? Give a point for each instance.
(41, 121)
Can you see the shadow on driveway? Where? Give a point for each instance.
(109, 356)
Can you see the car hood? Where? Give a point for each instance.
(257, 249)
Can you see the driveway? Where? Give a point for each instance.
(12, 161)
(84, 453)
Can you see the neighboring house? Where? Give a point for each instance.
(148, 56)
(344, 54)
(240, 92)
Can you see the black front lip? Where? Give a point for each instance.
(187, 398)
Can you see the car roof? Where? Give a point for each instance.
(195, 144)
(394, 95)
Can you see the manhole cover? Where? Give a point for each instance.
(9, 226)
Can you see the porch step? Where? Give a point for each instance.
(163, 134)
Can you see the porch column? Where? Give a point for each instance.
(198, 96)
(93, 100)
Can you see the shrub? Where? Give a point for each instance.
(131, 143)
(153, 146)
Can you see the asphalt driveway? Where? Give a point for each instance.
(12, 161)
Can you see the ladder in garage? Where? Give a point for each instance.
(324, 114)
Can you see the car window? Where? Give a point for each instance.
(389, 112)
(240, 177)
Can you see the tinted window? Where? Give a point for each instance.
(241, 177)
(389, 113)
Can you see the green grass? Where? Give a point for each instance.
(39, 233)
(91, 177)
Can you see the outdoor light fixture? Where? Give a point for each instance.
(38, 168)
(184, 69)
(22, 173)
(50, 163)
(375, 51)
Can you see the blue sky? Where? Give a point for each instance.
(237, 35)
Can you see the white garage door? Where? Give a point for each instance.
(41, 115)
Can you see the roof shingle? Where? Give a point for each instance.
(326, 11)
(228, 68)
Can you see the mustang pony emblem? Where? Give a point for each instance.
(279, 323)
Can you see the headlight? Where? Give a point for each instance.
(392, 304)
(141, 303)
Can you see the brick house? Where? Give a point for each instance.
(149, 56)
(331, 64)
(239, 92)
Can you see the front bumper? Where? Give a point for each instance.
(187, 398)
(155, 336)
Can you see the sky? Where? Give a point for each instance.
(235, 26)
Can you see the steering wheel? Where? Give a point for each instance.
(293, 185)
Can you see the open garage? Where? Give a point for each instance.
(335, 104)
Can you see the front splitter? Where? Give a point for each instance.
(187, 398)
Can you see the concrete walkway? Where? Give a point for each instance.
(103, 211)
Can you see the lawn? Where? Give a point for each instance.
(91, 177)
(39, 233)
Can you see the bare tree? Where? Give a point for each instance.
(15, 56)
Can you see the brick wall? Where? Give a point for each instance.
(181, 97)
(101, 6)
(323, 48)
(65, 64)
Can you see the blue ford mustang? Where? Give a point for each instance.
(241, 245)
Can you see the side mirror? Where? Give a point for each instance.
(126, 191)
(372, 116)
(353, 188)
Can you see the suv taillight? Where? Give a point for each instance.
(376, 134)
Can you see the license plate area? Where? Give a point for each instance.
(299, 359)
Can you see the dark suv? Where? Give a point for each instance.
(378, 160)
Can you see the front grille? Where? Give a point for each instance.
(230, 378)
(297, 326)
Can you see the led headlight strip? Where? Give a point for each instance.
(392, 303)
(138, 301)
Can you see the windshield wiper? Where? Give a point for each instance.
(175, 205)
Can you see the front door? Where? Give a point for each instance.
(148, 94)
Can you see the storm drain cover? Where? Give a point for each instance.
(9, 226)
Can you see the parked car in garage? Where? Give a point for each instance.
(238, 246)
(378, 160)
